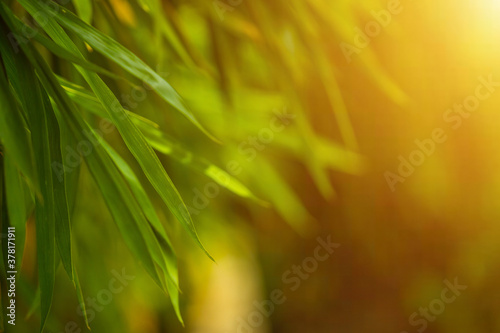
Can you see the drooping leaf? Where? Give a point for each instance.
(14, 134)
(121, 202)
(133, 138)
(115, 52)
(167, 262)
(36, 102)
(162, 143)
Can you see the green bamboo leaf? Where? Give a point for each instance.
(63, 225)
(120, 201)
(138, 190)
(70, 180)
(168, 256)
(163, 257)
(44, 212)
(51, 209)
(36, 102)
(14, 133)
(115, 52)
(79, 295)
(89, 102)
(133, 138)
(32, 297)
(115, 192)
(162, 143)
(60, 51)
(71, 172)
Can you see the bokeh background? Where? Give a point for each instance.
(237, 65)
